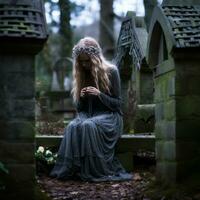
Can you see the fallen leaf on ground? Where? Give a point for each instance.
(137, 177)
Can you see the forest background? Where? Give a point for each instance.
(70, 20)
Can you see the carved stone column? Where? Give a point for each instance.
(22, 35)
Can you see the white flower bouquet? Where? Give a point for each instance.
(46, 155)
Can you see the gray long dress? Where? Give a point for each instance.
(88, 146)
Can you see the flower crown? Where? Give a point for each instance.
(90, 50)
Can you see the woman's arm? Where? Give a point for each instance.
(114, 100)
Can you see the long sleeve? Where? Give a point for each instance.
(113, 101)
(80, 105)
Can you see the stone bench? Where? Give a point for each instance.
(126, 147)
(127, 142)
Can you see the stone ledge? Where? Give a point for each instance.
(127, 142)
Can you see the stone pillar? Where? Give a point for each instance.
(17, 124)
(21, 38)
(125, 74)
(165, 126)
(177, 99)
(187, 114)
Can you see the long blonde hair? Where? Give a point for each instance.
(99, 70)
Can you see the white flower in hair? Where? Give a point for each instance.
(90, 50)
(86, 45)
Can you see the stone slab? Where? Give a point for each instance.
(127, 142)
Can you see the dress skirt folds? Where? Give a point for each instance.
(87, 149)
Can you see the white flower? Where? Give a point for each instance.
(55, 155)
(48, 153)
(40, 149)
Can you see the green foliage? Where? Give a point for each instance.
(45, 160)
(131, 131)
(59, 43)
(45, 61)
(3, 168)
(3, 171)
(42, 84)
(74, 8)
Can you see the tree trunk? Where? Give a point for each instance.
(106, 26)
(65, 28)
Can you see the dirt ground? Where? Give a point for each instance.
(143, 186)
(79, 190)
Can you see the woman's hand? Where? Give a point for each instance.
(83, 92)
(89, 90)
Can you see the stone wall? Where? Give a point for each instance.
(177, 99)
(165, 115)
(17, 124)
(187, 116)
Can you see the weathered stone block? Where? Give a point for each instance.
(187, 77)
(146, 88)
(166, 150)
(159, 111)
(171, 86)
(22, 191)
(165, 130)
(20, 184)
(187, 67)
(22, 172)
(4, 109)
(17, 130)
(170, 110)
(20, 65)
(188, 129)
(187, 107)
(126, 160)
(166, 171)
(16, 152)
(165, 67)
(187, 168)
(187, 150)
(17, 89)
(188, 86)
(133, 143)
(164, 87)
(22, 108)
(17, 108)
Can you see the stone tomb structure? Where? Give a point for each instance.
(173, 54)
(60, 99)
(136, 76)
(23, 33)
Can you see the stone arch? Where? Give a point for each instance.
(159, 51)
(160, 36)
